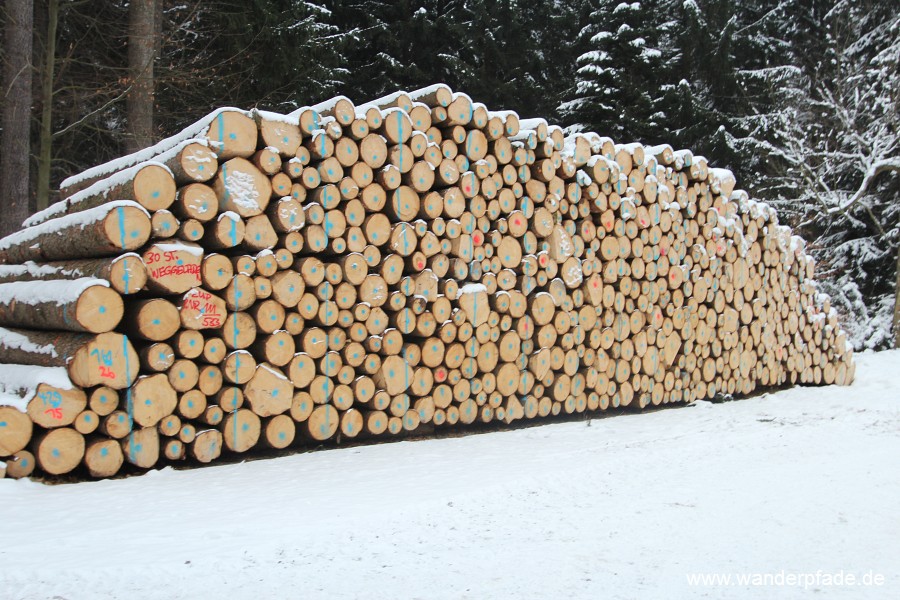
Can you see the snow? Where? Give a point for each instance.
(179, 247)
(265, 115)
(425, 91)
(79, 219)
(800, 481)
(471, 288)
(16, 341)
(102, 187)
(18, 383)
(240, 189)
(60, 292)
(198, 130)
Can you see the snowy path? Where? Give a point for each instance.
(803, 481)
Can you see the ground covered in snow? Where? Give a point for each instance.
(787, 494)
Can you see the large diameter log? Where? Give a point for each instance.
(126, 273)
(82, 305)
(106, 359)
(110, 229)
(173, 268)
(151, 399)
(59, 451)
(201, 309)
(150, 185)
(154, 320)
(52, 406)
(242, 188)
(268, 392)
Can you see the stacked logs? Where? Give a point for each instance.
(416, 261)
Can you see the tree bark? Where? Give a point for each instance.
(45, 151)
(142, 36)
(15, 146)
(897, 303)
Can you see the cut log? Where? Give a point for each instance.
(106, 359)
(173, 268)
(16, 429)
(59, 450)
(103, 457)
(141, 447)
(126, 273)
(109, 229)
(52, 406)
(242, 188)
(81, 305)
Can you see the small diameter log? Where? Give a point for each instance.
(113, 228)
(206, 446)
(59, 450)
(126, 273)
(242, 188)
(173, 268)
(16, 429)
(21, 464)
(103, 457)
(241, 430)
(106, 359)
(279, 431)
(141, 447)
(82, 305)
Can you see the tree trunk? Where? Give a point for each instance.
(142, 35)
(15, 148)
(897, 303)
(45, 151)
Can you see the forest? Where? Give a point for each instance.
(800, 99)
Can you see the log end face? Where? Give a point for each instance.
(154, 187)
(108, 359)
(99, 309)
(127, 227)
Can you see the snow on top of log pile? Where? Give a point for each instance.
(197, 130)
(81, 219)
(17, 341)
(291, 119)
(104, 186)
(472, 288)
(58, 291)
(180, 246)
(18, 383)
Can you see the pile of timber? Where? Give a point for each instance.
(414, 262)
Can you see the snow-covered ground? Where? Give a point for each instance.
(801, 486)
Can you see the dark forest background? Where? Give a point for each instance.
(799, 99)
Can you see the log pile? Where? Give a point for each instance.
(416, 261)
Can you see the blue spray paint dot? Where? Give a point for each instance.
(232, 136)
(148, 402)
(155, 194)
(156, 321)
(2, 423)
(55, 453)
(104, 451)
(245, 427)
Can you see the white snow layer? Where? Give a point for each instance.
(78, 219)
(18, 383)
(198, 130)
(472, 288)
(102, 187)
(57, 291)
(799, 482)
